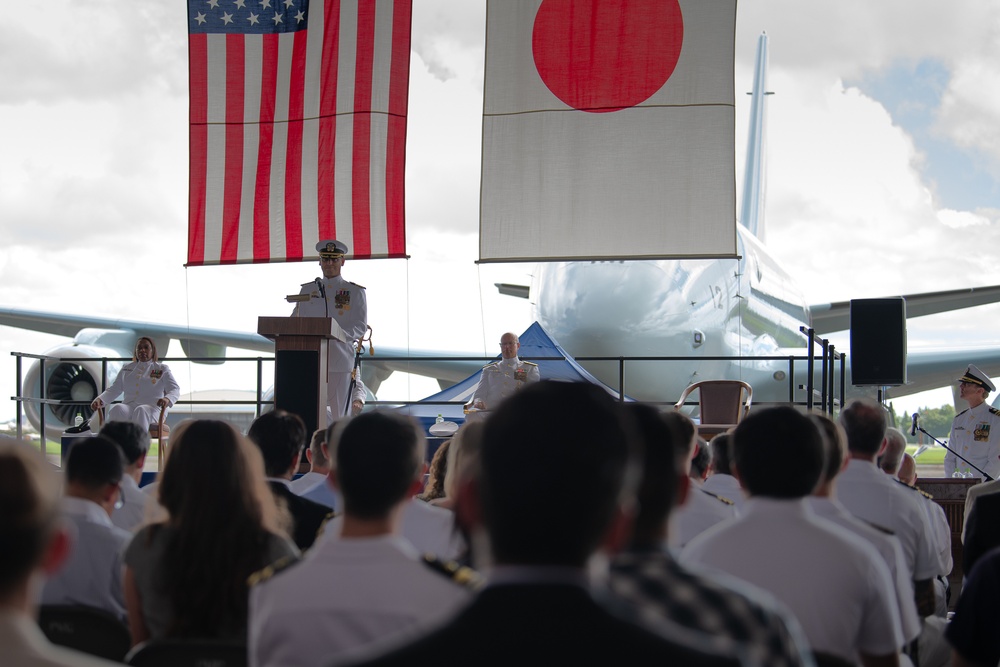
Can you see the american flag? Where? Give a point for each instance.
(298, 128)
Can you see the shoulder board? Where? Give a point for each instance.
(528, 363)
(311, 283)
(721, 499)
(994, 411)
(962, 412)
(280, 565)
(356, 285)
(460, 574)
(492, 365)
(881, 529)
(322, 526)
(913, 488)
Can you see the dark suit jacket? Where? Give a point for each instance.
(982, 530)
(307, 515)
(544, 624)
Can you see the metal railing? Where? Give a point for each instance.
(827, 393)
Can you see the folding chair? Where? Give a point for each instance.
(721, 404)
(87, 629)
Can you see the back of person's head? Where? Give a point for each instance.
(894, 449)
(701, 460)
(864, 423)
(281, 436)
(464, 447)
(132, 438)
(220, 510)
(908, 470)
(552, 473)
(778, 453)
(29, 496)
(94, 463)
(379, 460)
(663, 463)
(316, 452)
(834, 445)
(684, 433)
(721, 461)
(436, 472)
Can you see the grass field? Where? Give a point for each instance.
(932, 456)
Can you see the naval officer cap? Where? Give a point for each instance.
(975, 376)
(331, 248)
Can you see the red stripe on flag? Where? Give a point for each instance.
(197, 147)
(233, 183)
(265, 149)
(361, 158)
(293, 155)
(327, 149)
(395, 177)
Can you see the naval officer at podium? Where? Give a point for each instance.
(332, 296)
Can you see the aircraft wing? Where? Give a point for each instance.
(936, 368)
(201, 342)
(829, 317)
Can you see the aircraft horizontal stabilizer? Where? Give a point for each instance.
(509, 289)
(836, 316)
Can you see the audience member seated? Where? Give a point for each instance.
(890, 462)
(701, 461)
(824, 504)
(700, 509)
(34, 544)
(319, 458)
(186, 577)
(434, 486)
(467, 437)
(430, 529)
(721, 481)
(134, 443)
(982, 532)
(738, 616)
(370, 585)
(93, 574)
(872, 496)
(972, 633)
(281, 437)
(315, 476)
(552, 488)
(837, 585)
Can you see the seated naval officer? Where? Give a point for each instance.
(501, 379)
(975, 433)
(347, 303)
(93, 573)
(147, 386)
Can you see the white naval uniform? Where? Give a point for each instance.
(347, 303)
(501, 379)
(430, 529)
(725, 486)
(344, 595)
(975, 434)
(137, 508)
(700, 511)
(817, 569)
(94, 572)
(888, 547)
(143, 383)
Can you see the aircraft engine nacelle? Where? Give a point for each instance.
(76, 377)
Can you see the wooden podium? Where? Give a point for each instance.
(300, 364)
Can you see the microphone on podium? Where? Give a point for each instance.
(913, 429)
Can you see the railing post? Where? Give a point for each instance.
(18, 388)
(621, 379)
(825, 344)
(260, 383)
(41, 406)
(791, 380)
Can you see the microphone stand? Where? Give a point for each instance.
(978, 469)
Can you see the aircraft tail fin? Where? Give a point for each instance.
(752, 207)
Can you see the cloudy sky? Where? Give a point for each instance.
(883, 164)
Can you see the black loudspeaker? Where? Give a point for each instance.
(878, 342)
(296, 377)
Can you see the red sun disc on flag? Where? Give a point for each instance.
(606, 55)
